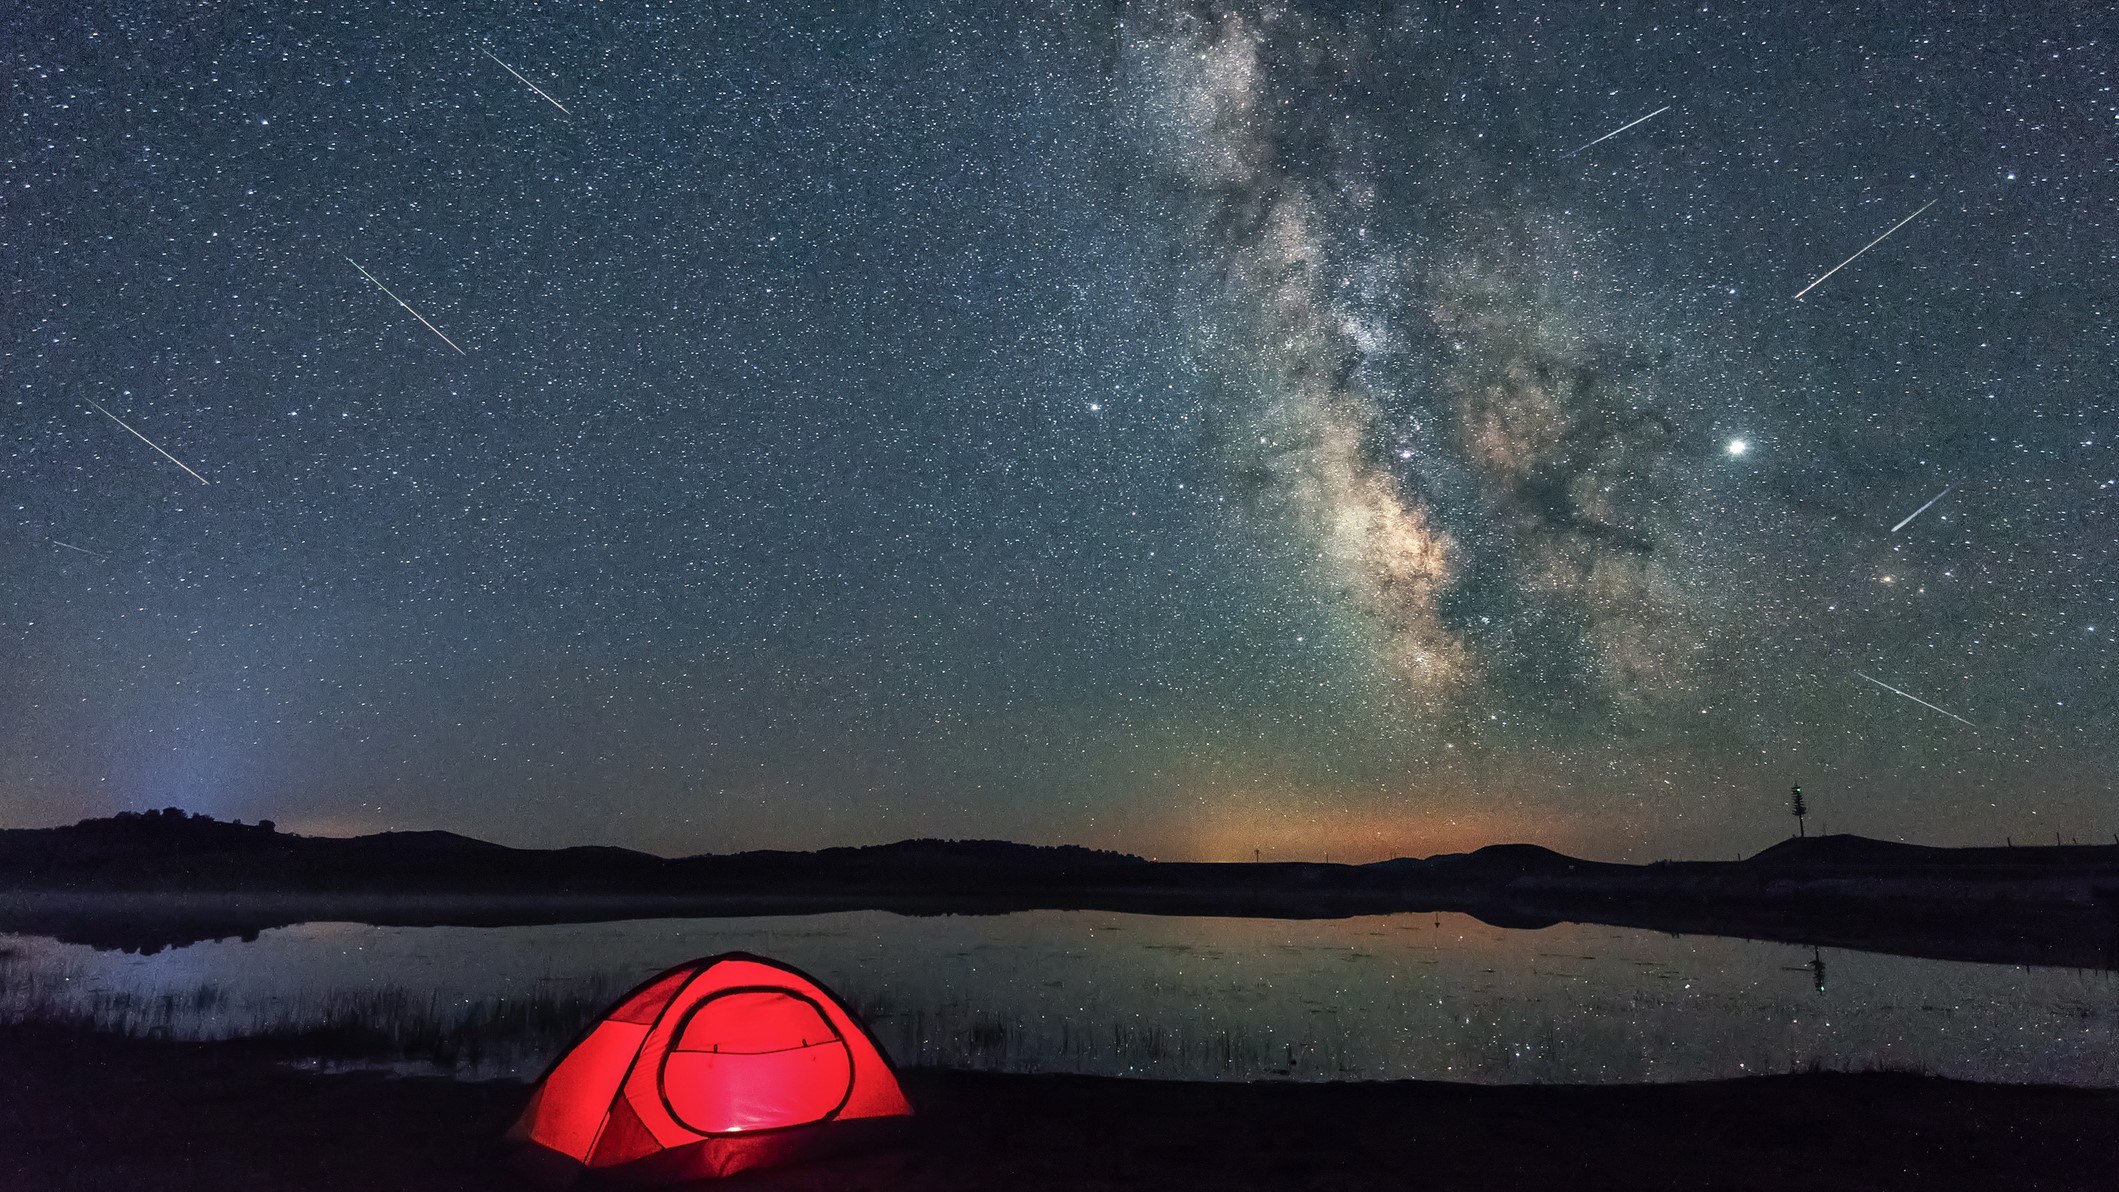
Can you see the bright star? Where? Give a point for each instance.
(1738, 446)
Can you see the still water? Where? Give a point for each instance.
(1376, 998)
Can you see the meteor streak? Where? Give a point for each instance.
(84, 550)
(408, 306)
(1924, 508)
(1616, 131)
(1864, 248)
(1916, 699)
(525, 82)
(144, 439)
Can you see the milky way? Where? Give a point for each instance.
(1310, 438)
(1566, 453)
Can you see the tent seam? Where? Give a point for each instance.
(633, 1063)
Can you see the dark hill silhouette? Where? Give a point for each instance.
(2031, 905)
(1494, 859)
(1863, 854)
(170, 850)
(435, 841)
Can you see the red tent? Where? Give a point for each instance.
(716, 1066)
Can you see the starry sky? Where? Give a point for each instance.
(1192, 428)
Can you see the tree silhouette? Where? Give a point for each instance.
(1800, 811)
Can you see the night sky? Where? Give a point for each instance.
(1183, 428)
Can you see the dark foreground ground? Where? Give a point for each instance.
(81, 1111)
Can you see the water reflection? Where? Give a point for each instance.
(1382, 997)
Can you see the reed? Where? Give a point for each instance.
(505, 1035)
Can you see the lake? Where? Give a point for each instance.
(1437, 997)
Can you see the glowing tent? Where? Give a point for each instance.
(714, 1067)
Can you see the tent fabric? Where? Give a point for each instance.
(716, 1066)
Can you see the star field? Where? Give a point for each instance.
(1183, 428)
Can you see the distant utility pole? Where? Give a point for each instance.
(1800, 810)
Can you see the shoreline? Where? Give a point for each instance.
(1977, 925)
(141, 882)
(97, 1111)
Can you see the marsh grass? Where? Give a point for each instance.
(519, 1035)
(512, 1035)
(506, 1035)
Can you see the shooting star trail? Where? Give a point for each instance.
(1864, 248)
(1916, 699)
(144, 439)
(525, 82)
(1924, 508)
(408, 306)
(1616, 131)
(84, 550)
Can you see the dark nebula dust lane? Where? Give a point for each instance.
(1184, 427)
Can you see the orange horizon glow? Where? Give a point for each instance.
(1317, 825)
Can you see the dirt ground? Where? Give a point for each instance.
(82, 1111)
